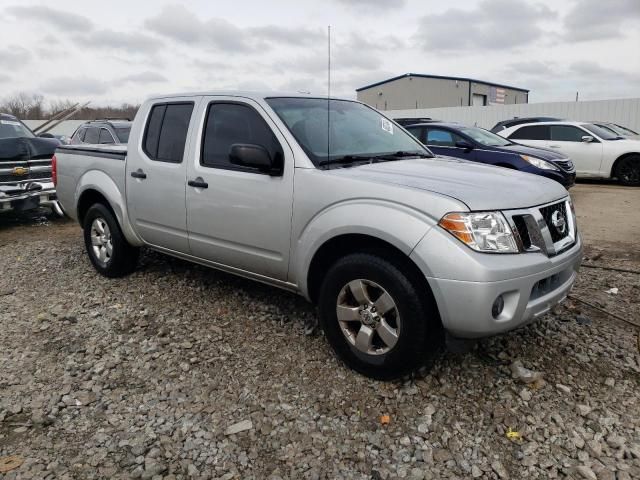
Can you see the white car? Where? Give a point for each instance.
(596, 152)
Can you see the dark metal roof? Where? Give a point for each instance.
(441, 77)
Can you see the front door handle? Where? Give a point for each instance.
(554, 146)
(139, 174)
(198, 183)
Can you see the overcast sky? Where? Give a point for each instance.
(122, 51)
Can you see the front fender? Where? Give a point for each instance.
(102, 183)
(399, 225)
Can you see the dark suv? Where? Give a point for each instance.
(480, 145)
(103, 132)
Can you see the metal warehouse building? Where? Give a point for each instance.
(414, 90)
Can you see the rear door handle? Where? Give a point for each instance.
(198, 183)
(139, 174)
(554, 146)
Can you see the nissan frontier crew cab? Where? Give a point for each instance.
(334, 201)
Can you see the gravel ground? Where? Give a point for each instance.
(182, 372)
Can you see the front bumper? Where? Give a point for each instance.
(25, 197)
(566, 179)
(466, 307)
(465, 288)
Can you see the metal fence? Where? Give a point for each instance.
(64, 128)
(625, 112)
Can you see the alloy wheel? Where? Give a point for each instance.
(629, 171)
(101, 242)
(368, 317)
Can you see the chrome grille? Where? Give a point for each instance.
(566, 165)
(535, 229)
(548, 212)
(4, 178)
(522, 231)
(36, 170)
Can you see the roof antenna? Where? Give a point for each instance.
(328, 87)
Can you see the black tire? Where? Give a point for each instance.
(628, 171)
(123, 257)
(419, 331)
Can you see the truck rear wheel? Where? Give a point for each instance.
(108, 250)
(376, 318)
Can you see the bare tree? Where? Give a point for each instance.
(34, 107)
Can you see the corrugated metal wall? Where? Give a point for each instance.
(624, 112)
(65, 128)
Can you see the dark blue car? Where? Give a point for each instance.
(479, 145)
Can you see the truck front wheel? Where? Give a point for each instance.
(376, 318)
(108, 250)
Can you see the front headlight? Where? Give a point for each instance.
(538, 162)
(482, 231)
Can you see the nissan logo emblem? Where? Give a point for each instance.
(558, 221)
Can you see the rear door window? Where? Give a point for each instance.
(566, 133)
(440, 138)
(166, 131)
(92, 136)
(79, 136)
(123, 134)
(417, 132)
(532, 132)
(105, 137)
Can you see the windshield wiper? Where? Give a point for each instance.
(346, 159)
(350, 159)
(401, 154)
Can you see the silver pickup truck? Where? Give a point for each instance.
(334, 201)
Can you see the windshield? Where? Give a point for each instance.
(353, 129)
(14, 129)
(123, 134)
(619, 129)
(608, 128)
(601, 132)
(484, 137)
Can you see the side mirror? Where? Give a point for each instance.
(587, 138)
(254, 156)
(46, 135)
(464, 144)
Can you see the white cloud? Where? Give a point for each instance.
(144, 77)
(53, 17)
(74, 86)
(492, 25)
(132, 42)
(598, 19)
(82, 50)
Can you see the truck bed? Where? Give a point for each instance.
(102, 166)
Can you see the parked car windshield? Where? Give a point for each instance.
(484, 137)
(601, 132)
(123, 134)
(626, 130)
(14, 129)
(620, 130)
(352, 128)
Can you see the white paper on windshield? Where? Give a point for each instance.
(9, 122)
(387, 126)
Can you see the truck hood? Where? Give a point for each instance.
(20, 149)
(479, 186)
